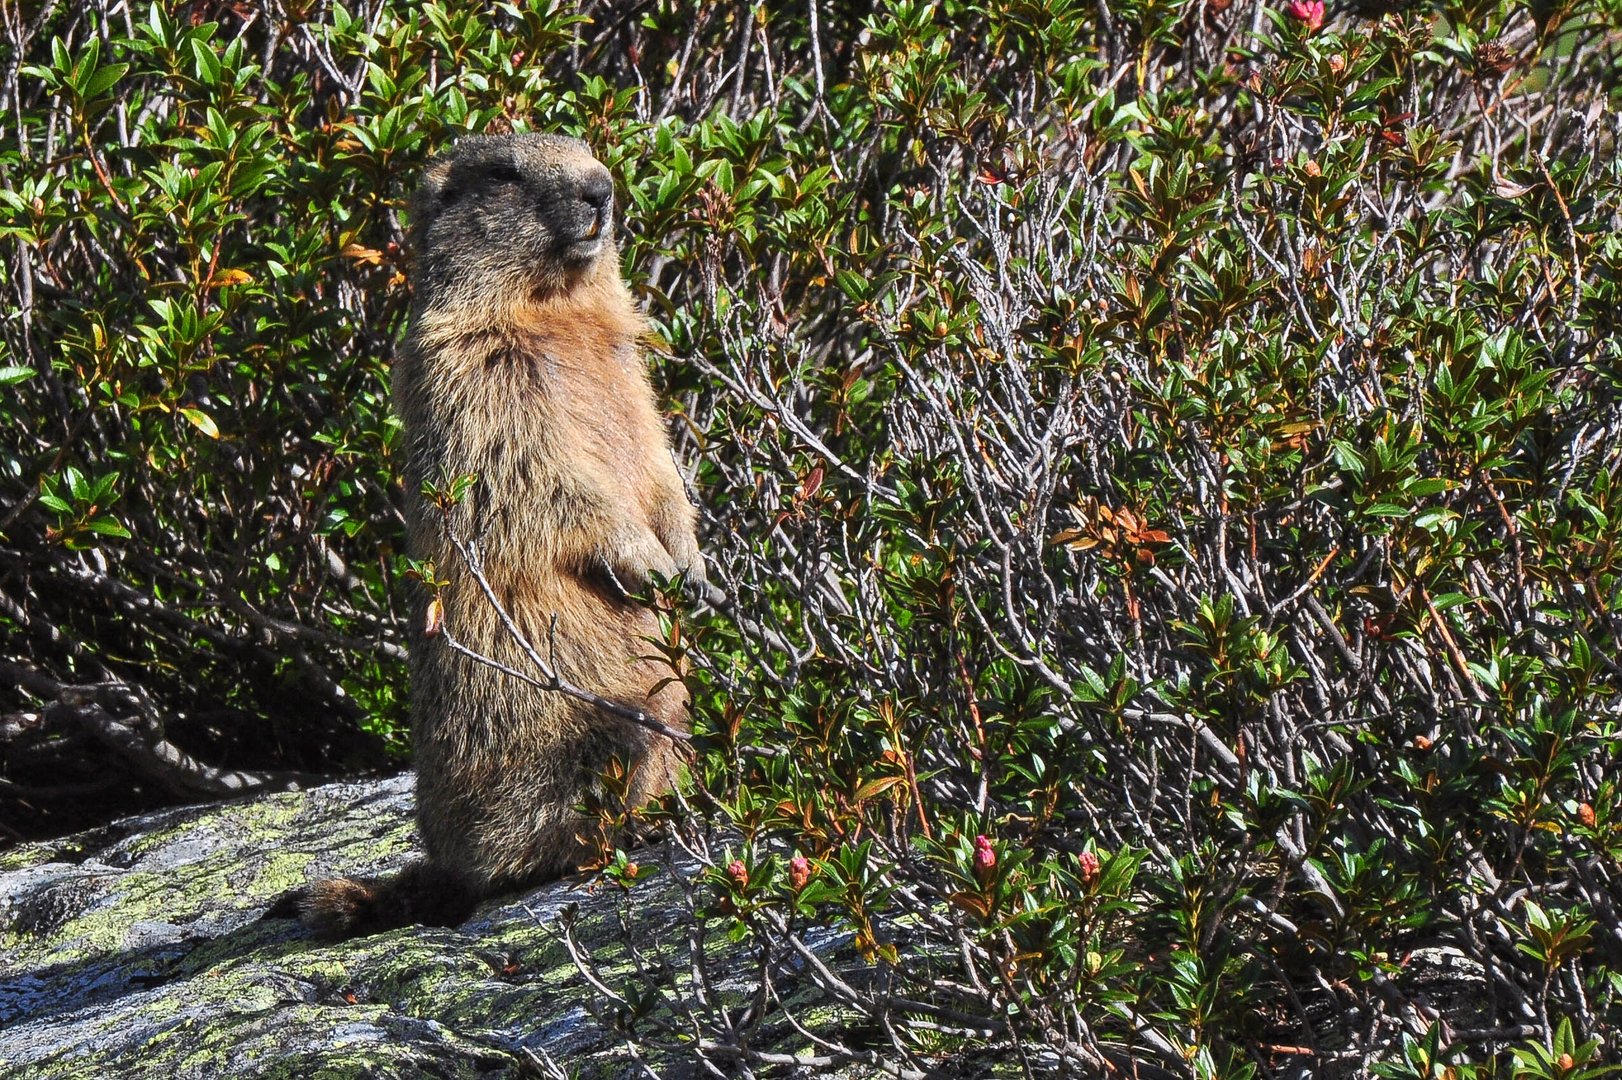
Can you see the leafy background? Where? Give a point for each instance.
(1163, 458)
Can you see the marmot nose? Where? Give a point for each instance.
(596, 190)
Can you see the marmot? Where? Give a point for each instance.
(523, 366)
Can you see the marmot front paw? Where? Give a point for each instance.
(674, 527)
(627, 563)
(683, 548)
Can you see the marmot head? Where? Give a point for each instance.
(511, 215)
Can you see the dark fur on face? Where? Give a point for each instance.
(533, 210)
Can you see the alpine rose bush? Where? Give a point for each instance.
(1163, 460)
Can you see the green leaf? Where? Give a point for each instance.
(107, 527)
(104, 79)
(76, 484)
(201, 421)
(208, 63)
(1430, 486)
(1429, 519)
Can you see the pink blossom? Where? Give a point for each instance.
(1089, 868)
(738, 872)
(799, 872)
(985, 858)
(1310, 13)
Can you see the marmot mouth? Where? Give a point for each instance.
(586, 243)
(585, 248)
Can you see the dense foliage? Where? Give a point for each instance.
(1163, 457)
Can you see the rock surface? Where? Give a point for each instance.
(136, 951)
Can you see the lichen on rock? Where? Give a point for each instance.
(137, 950)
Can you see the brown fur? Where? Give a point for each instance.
(523, 366)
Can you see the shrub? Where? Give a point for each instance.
(1163, 459)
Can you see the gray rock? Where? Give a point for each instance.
(136, 951)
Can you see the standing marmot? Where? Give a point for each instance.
(523, 367)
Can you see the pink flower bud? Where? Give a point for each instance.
(799, 872)
(985, 859)
(1310, 13)
(738, 872)
(1088, 862)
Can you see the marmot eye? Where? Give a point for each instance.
(505, 174)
